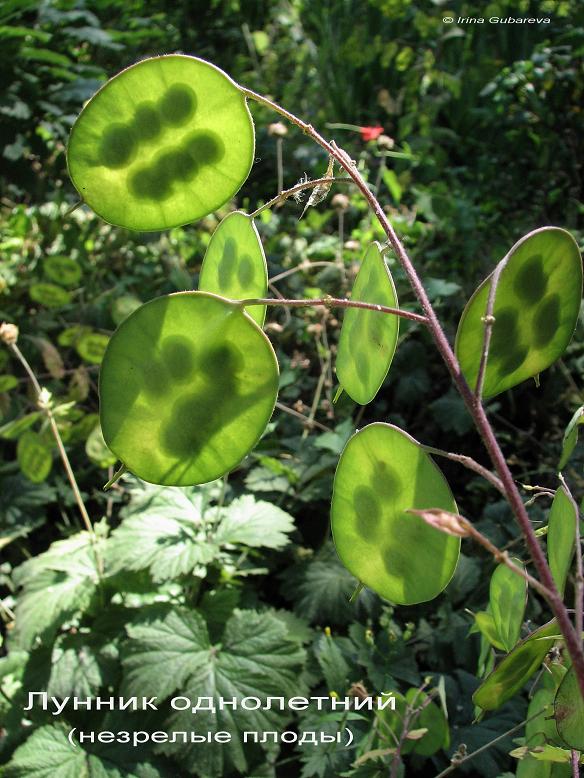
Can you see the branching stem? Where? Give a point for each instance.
(572, 639)
(489, 321)
(281, 198)
(333, 302)
(455, 765)
(469, 463)
(46, 409)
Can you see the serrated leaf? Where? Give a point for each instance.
(235, 264)
(321, 588)
(254, 523)
(332, 663)
(255, 658)
(561, 537)
(368, 338)
(162, 532)
(508, 599)
(79, 666)
(55, 585)
(48, 754)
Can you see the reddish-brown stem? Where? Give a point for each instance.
(489, 320)
(334, 302)
(473, 403)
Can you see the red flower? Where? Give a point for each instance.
(370, 133)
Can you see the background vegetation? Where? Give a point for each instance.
(482, 132)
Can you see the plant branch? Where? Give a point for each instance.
(575, 763)
(456, 525)
(489, 320)
(579, 584)
(469, 463)
(333, 302)
(287, 193)
(455, 765)
(45, 407)
(308, 422)
(473, 403)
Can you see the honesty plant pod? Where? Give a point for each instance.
(164, 142)
(536, 310)
(187, 385)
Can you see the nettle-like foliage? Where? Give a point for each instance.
(189, 380)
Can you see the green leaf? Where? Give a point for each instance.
(164, 142)
(48, 754)
(392, 183)
(62, 270)
(333, 665)
(536, 309)
(256, 524)
(34, 456)
(187, 386)
(368, 338)
(432, 719)
(50, 295)
(164, 533)
(540, 730)
(486, 625)
(55, 585)
(569, 712)
(322, 587)
(8, 382)
(571, 437)
(14, 429)
(516, 668)
(255, 658)
(382, 473)
(561, 537)
(235, 264)
(507, 599)
(79, 666)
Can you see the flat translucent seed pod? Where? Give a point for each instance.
(381, 474)
(187, 385)
(536, 310)
(368, 338)
(235, 264)
(164, 142)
